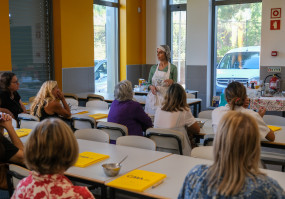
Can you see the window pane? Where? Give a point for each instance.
(178, 2)
(178, 42)
(113, 1)
(105, 47)
(238, 33)
(30, 45)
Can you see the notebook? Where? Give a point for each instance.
(87, 158)
(21, 132)
(274, 128)
(137, 180)
(98, 116)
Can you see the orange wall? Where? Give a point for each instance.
(5, 45)
(73, 35)
(132, 34)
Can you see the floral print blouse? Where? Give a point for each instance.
(37, 186)
(196, 186)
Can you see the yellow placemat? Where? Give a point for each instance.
(82, 112)
(274, 128)
(21, 132)
(137, 180)
(87, 158)
(98, 116)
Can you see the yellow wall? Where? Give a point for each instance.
(132, 34)
(5, 45)
(73, 35)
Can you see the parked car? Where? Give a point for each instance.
(100, 75)
(239, 64)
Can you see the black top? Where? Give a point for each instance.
(10, 149)
(12, 105)
(44, 115)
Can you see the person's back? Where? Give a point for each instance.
(259, 187)
(50, 150)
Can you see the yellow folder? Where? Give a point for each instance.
(137, 180)
(98, 116)
(274, 128)
(87, 158)
(21, 132)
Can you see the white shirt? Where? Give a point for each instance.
(176, 121)
(218, 113)
(169, 120)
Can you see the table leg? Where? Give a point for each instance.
(103, 192)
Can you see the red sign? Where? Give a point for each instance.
(275, 13)
(275, 24)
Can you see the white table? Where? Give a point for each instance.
(176, 167)
(94, 173)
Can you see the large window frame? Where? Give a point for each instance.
(173, 8)
(216, 3)
(114, 5)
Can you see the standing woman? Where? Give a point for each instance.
(161, 76)
(47, 102)
(10, 100)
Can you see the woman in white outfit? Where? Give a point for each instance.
(175, 114)
(161, 76)
(236, 97)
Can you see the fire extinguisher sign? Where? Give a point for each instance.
(275, 21)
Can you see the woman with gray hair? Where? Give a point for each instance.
(161, 76)
(127, 112)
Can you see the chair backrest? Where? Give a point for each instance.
(70, 96)
(14, 175)
(205, 114)
(113, 129)
(136, 141)
(166, 139)
(28, 121)
(190, 95)
(274, 120)
(79, 121)
(72, 102)
(98, 104)
(204, 152)
(93, 135)
(95, 97)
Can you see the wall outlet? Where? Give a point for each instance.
(274, 69)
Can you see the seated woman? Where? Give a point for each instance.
(176, 114)
(10, 100)
(127, 112)
(235, 172)
(9, 151)
(47, 102)
(50, 150)
(235, 95)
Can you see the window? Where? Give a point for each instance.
(31, 44)
(236, 42)
(176, 37)
(105, 19)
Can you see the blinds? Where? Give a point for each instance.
(30, 44)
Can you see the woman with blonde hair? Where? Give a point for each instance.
(235, 172)
(176, 114)
(50, 150)
(236, 97)
(47, 102)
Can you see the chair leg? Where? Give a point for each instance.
(283, 168)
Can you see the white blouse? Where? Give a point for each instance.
(218, 113)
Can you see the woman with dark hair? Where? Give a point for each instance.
(176, 114)
(236, 97)
(10, 100)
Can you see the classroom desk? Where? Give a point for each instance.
(109, 97)
(176, 167)
(187, 91)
